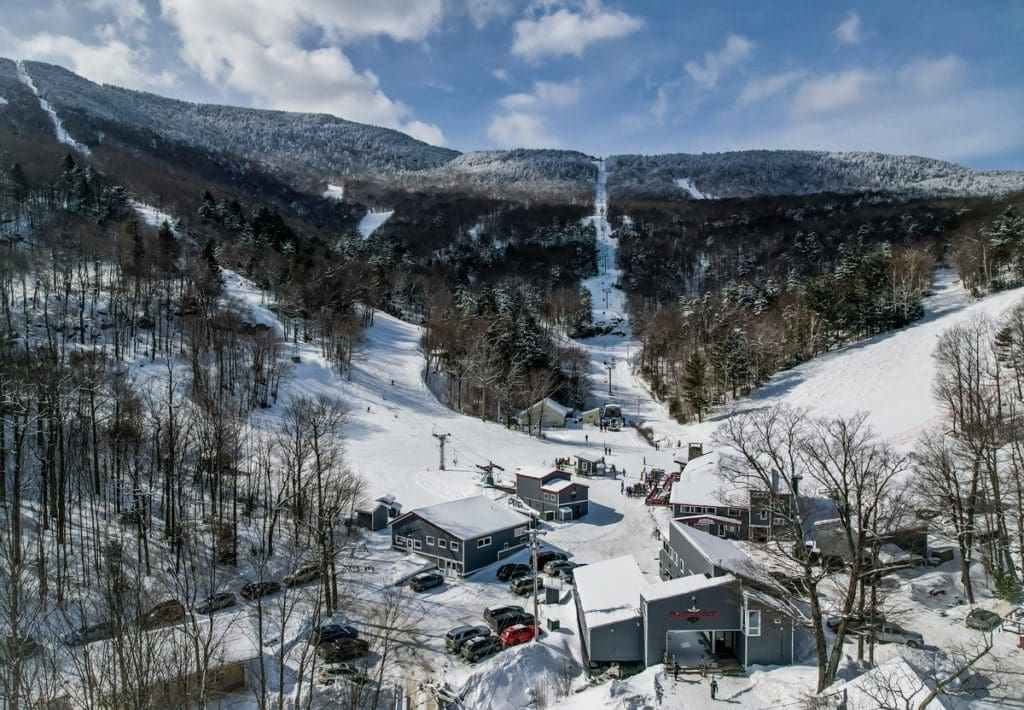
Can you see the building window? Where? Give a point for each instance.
(734, 512)
(417, 545)
(483, 542)
(430, 540)
(441, 542)
(455, 546)
(763, 515)
(753, 623)
(709, 510)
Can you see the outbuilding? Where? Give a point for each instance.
(461, 536)
(372, 516)
(608, 609)
(590, 465)
(552, 493)
(544, 413)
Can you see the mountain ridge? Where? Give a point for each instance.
(325, 148)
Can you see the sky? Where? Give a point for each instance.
(940, 78)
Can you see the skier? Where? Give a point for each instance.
(714, 689)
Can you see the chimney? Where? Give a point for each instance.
(775, 481)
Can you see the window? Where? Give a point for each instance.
(709, 510)
(763, 515)
(483, 542)
(753, 623)
(430, 540)
(442, 543)
(417, 545)
(455, 546)
(734, 512)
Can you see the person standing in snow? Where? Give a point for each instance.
(714, 689)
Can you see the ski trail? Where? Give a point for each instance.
(62, 135)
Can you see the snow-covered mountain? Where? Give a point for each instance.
(751, 173)
(326, 148)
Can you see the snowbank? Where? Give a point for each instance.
(372, 221)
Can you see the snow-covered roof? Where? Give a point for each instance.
(895, 683)
(702, 483)
(592, 458)
(560, 485)
(684, 585)
(372, 507)
(552, 404)
(709, 516)
(386, 499)
(539, 472)
(468, 518)
(724, 554)
(609, 591)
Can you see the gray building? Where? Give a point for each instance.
(686, 551)
(461, 536)
(372, 516)
(608, 610)
(552, 493)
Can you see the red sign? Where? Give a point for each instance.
(693, 615)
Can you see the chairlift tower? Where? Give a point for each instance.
(441, 438)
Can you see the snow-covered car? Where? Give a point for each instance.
(166, 612)
(255, 590)
(426, 580)
(329, 673)
(302, 575)
(342, 649)
(893, 633)
(983, 620)
(855, 622)
(220, 600)
(475, 649)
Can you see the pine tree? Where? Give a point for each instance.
(695, 386)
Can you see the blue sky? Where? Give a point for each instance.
(937, 78)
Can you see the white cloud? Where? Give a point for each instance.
(545, 94)
(130, 15)
(569, 32)
(933, 76)
(500, 74)
(483, 11)
(111, 61)
(716, 64)
(659, 108)
(767, 86)
(830, 92)
(519, 129)
(850, 31)
(262, 49)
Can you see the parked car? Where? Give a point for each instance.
(331, 632)
(329, 673)
(454, 639)
(12, 650)
(499, 609)
(475, 649)
(343, 650)
(302, 575)
(426, 580)
(567, 575)
(510, 618)
(518, 633)
(553, 566)
(983, 620)
(89, 634)
(547, 556)
(940, 555)
(892, 633)
(255, 590)
(511, 571)
(167, 612)
(522, 586)
(855, 621)
(220, 600)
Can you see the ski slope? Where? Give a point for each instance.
(372, 221)
(58, 126)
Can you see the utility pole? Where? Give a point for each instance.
(441, 439)
(534, 548)
(610, 364)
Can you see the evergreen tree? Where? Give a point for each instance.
(695, 385)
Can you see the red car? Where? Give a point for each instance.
(520, 633)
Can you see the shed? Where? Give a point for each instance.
(373, 516)
(545, 412)
(591, 416)
(394, 507)
(590, 465)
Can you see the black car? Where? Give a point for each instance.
(331, 632)
(220, 600)
(426, 580)
(88, 634)
(983, 620)
(475, 649)
(855, 622)
(14, 649)
(502, 621)
(343, 650)
(255, 590)
(511, 571)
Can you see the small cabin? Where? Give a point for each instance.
(373, 516)
(544, 413)
(590, 465)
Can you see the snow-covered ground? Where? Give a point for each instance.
(58, 126)
(686, 184)
(372, 221)
(334, 192)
